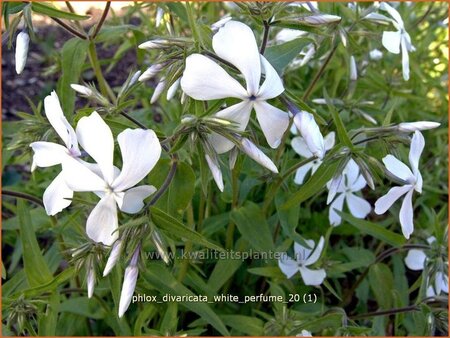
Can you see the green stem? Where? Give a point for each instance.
(104, 88)
(23, 196)
(193, 25)
(265, 37)
(69, 29)
(102, 20)
(235, 195)
(166, 183)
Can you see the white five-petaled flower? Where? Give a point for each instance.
(140, 151)
(204, 79)
(304, 257)
(47, 154)
(399, 40)
(299, 145)
(351, 182)
(22, 43)
(416, 260)
(412, 181)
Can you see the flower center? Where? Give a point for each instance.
(252, 97)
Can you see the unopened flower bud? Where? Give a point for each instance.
(150, 73)
(160, 246)
(90, 280)
(353, 69)
(215, 171)
(113, 258)
(159, 16)
(321, 19)
(419, 125)
(22, 43)
(173, 89)
(219, 24)
(375, 54)
(155, 44)
(129, 283)
(134, 78)
(83, 90)
(158, 90)
(310, 131)
(233, 157)
(257, 155)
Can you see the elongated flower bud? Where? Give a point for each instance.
(215, 170)
(219, 24)
(159, 16)
(151, 72)
(22, 43)
(83, 90)
(321, 19)
(155, 44)
(375, 54)
(90, 280)
(257, 155)
(113, 258)
(353, 69)
(134, 78)
(419, 125)
(158, 90)
(173, 89)
(310, 131)
(129, 283)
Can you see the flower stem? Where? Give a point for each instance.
(102, 20)
(166, 183)
(69, 29)
(72, 10)
(23, 196)
(234, 202)
(104, 88)
(265, 37)
(132, 119)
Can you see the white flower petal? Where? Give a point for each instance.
(22, 43)
(288, 266)
(102, 221)
(215, 171)
(329, 140)
(273, 121)
(203, 79)
(441, 282)
(312, 277)
(299, 145)
(301, 173)
(302, 252)
(315, 255)
(235, 43)
(406, 215)
(334, 186)
(392, 12)
(358, 206)
(57, 196)
(133, 199)
(391, 41)
(140, 151)
(239, 113)
(338, 204)
(397, 168)
(351, 172)
(417, 145)
(310, 131)
(59, 122)
(386, 201)
(359, 184)
(78, 177)
(47, 154)
(415, 259)
(272, 85)
(96, 138)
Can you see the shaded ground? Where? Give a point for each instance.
(41, 73)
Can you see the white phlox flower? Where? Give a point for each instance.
(140, 151)
(204, 79)
(416, 260)
(58, 195)
(412, 181)
(300, 147)
(22, 44)
(304, 257)
(352, 181)
(399, 40)
(304, 333)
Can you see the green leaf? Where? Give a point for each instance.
(315, 184)
(267, 271)
(340, 127)
(279, 56)
(179, 9)
(36, 269)
(374, 230)
(181, 189)
(245, 325)
(83, 306)
(49, 320)
(381, 282)
(253, 226)
(42, 8)
(223, 271)
(158, 276)
(173, 227)
(73, 55)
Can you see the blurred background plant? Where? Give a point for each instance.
(368, 290)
